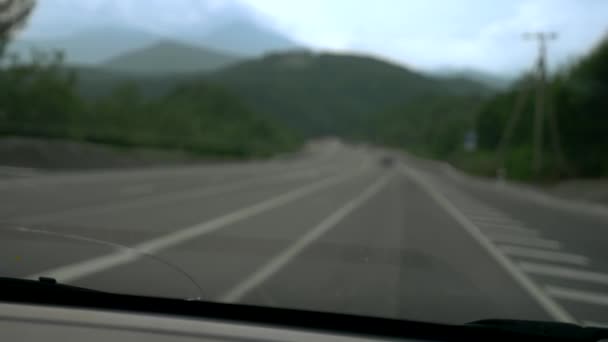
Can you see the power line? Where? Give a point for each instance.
(543, 106)
(541, 83)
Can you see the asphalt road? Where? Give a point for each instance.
(330, 229)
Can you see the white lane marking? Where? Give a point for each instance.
(587, 297)
(555, 310)
(532, 253)
(524, 241)
(85, 268)
(564, 272)
(162, 199)
(278, 262)
(595, 324)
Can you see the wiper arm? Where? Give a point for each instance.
(47, 291)
(557, 330)
(43, 283)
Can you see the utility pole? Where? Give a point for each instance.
(541, 79)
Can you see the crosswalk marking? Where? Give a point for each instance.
(595, 324)
(587, 297)
(526, 241)
(545, 255)
(564, 272)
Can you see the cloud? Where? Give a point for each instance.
(423, 33)
(61, 17)
(437, 33)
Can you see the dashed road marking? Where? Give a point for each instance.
(525, 241)
(278, 262)
(595, 324)
(564, 272)
(70, 273)
(532, 253)
(552, 307)
(587, 297)
(150, 200)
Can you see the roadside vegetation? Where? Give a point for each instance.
(39, 99)
(577, 96)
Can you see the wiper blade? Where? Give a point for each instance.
(47, 291)
(43, 283)
(557, 330)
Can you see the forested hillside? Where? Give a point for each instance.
(320, 94)
(40, 99)
(578, 99)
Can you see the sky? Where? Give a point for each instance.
(424, 34)
(431, 34)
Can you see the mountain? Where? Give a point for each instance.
(323, 94)
(244, 37)
(91, 46)
(495, 81)
(118, 26)
(169, 57)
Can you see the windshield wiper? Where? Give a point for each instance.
(47, 291)
(43, 283)
(557, 330)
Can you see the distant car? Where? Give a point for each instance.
(387, 161)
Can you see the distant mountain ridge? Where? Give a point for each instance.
(170, 57)
(95, 32)
(244, 37)
(325, 94)
(91, 46)
(496, 81)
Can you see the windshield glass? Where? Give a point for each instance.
(428, 160)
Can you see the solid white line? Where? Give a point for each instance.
(524, 252)
(82, 269)
(551, 307)
(595, 324)
(147, 201)
(274, 265)
(524, 241)
(564, 272)
(587, 297)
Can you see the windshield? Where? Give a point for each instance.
(440, 161)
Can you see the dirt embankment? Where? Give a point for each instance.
(66, 155)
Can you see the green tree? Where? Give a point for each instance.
(13, 17)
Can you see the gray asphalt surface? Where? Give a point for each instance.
(331, 229)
